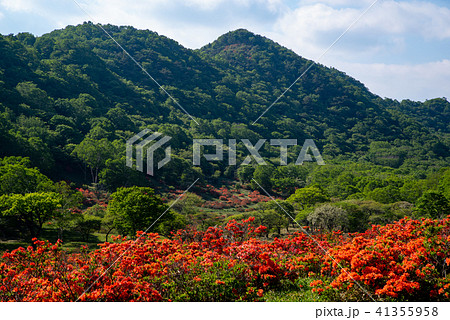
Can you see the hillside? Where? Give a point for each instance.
(74, 83)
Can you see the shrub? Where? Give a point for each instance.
(328, 217)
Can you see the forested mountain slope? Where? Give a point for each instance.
(75, 87)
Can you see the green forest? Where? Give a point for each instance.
(70, 99)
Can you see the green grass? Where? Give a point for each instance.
(299, 292)
(72, 240)
(291, 296)
(12, 244)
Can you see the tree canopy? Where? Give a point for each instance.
(136, 209)
(70, 100)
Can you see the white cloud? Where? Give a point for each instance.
(310, 29)
(18, 5)
(424, 18)
(41, 14)
(340, 3)
(415, 82)
(204, 4)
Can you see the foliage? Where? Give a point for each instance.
(308, 196)
(328, 218)
(136, 208)
(68, 212)
(94, 153)
(262, 176)
(388, 194)
(16, 176)
(85, 224)
(188, 204)
(30, 211)
(116, 174)
(286, 179)
(444, 184)
(433, 204)
(69, 102)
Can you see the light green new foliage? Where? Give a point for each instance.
(16, 176)
(31, 210)
(94, 154)
(444, 184)
(306, 197)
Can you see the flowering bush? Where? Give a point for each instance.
(404, 261)
(91, 198)
(233, 198)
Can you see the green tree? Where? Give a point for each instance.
(16, 176)
(358, 216)
(116, 174)
(176, 222)
(120, 119)
(412, 190)
(85, 224)
(180, 172)
(245, 173)
(107, 224)
(31, 210)
(263, 175)
(273, 220)
(70, 200)
(388, 194)
(286, 179)
(433, 204)
(444, 184)
(302, 215)
(94, 154)
(283, 209)
(136, 209)
(35, 97)
(307, 197)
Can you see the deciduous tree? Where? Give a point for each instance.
(137, 208)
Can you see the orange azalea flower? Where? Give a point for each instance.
(395, 260)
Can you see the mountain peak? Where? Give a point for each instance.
(238, 34)
(252, 52)
(237, 37)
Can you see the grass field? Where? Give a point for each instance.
(72, 240)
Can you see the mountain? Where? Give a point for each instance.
(74, 84)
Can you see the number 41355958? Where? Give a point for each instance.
(407, 311)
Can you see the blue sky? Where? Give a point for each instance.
(399, 49)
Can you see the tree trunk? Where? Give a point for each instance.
(107, 234)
